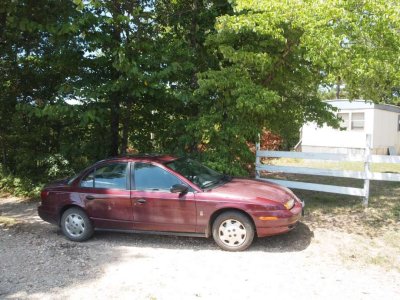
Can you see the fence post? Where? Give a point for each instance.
(367, 171)
(258, 157)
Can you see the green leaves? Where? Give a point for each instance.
(199, 77)
(79, 4)
(274, 57)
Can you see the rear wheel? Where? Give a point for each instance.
(76, 225)
(233, 231)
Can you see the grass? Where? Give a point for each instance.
(7, 221)
(381, 251)
(374, 231)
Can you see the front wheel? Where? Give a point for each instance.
(233, 231)
(76, 225)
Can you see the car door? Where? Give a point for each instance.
(155, 207)
(105, 193)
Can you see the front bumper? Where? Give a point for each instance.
(284, 222)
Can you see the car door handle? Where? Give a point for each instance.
(141, 201)
(90, 197)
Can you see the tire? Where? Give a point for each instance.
(76, 225)
(233, 231)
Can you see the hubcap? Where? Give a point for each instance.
(75, 225)
(232, 233)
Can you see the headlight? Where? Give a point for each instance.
(289, 204)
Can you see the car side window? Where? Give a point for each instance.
(111, 176)
(88, 180)
(150, 177)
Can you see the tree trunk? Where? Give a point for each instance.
(4, 156)
(126, 128)
(339, 81)
(116, 10)
(193, 38)
(115, 116)
(124, 141)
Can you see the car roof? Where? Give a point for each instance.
(159, 158)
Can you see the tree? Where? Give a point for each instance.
(200, 77)
(274, 58)
(185, 26)
(119, 41)
(35, 51)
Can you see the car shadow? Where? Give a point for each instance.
(296, 240)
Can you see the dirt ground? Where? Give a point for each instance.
(320, 259)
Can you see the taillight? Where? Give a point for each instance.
(44, 194)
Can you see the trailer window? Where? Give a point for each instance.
(357, 121)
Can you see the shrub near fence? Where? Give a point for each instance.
(367, 158)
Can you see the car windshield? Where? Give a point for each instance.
(197, 173)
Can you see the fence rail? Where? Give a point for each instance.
(367, 158)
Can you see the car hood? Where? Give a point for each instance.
(252, 189)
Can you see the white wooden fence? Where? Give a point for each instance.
(367, 158)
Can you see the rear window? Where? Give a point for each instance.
(111, 176)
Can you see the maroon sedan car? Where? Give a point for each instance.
(163, 194)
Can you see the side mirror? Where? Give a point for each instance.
(179, 188)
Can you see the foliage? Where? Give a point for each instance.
(17, 185)
(200, 77)
(274, 57)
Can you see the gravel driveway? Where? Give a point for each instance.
(37, 262)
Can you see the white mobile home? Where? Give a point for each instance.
(359, 117)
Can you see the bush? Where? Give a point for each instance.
(41, 171)
(56, 166)
(18, 186)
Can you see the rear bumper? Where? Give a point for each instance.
(48, 214)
